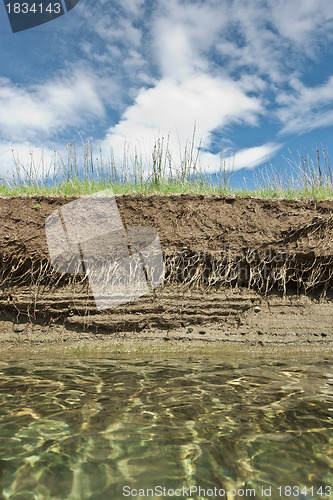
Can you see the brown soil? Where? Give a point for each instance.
(226, 258)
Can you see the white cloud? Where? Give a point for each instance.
(43, 109)
(174, 109)
(132, 6)
(251, 157)
(274, 38)
(183, 35)
(249, 44)
(305, 108)
(302, 21)
(244, 158)
(112, 23)
(175, 55)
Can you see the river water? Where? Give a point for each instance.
(88, 425)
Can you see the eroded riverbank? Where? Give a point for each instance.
(249, 271)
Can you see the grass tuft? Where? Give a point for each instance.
(309, 178)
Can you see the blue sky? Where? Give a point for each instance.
(254, 76)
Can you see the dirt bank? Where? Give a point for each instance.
(229, 263)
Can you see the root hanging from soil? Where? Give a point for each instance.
(258, 270)
(255, 244)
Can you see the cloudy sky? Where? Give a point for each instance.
(253, 76)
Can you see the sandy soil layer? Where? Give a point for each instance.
(296, 238)
(225, 316)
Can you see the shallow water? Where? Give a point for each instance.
(87, 426)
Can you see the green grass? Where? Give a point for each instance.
(311, 178)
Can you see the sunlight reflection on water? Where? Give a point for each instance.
(83, 427)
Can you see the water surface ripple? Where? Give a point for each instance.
(84, 427)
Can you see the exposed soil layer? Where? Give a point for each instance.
(246, 270)
(226, 315)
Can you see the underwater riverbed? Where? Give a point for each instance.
(87, 424)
